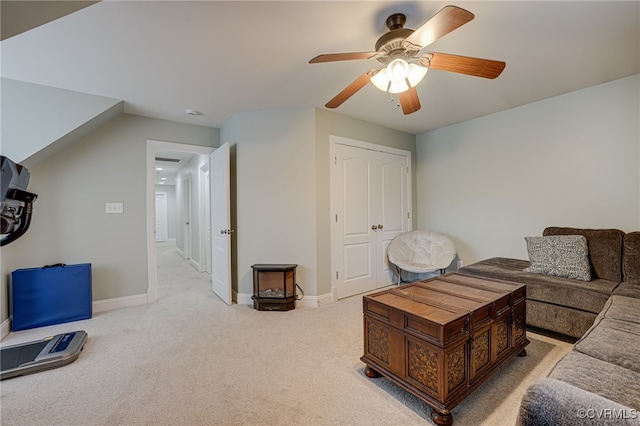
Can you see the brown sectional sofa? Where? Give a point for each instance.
(598, 381)
(560, 304)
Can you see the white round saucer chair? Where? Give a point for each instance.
(420, 252)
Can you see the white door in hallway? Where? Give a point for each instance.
(186, 216)
(221, 232)
(371, 204)
(206, 203)
(161, 217)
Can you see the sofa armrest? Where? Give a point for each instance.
(551, 402)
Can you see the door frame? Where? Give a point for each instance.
(152, 256)
(339, 140)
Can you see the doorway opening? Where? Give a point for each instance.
(187, 207)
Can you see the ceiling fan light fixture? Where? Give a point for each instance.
(399, 76)
(398, 69)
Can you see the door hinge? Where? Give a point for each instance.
(408, 215)
(335, 160)
(336, 275)
(336, 217)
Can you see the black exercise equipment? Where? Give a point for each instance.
(16, 204)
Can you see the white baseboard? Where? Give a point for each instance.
(5, 328)
(243, 298)
(97, 306)
(306, 301)
(119, 302)
(323, 299)
(195, 265)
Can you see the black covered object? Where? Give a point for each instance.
(16, 204)
(50, 295)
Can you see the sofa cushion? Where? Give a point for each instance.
(503, 268)
(613, 341)
(622, 308)
(628, 289)
(587, 296)
(605, 379)
(559, 255)
(631, 258)
(605, 250)
(561, 319)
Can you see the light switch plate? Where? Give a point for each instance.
(114, 208)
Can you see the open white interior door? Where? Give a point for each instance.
(221, 231)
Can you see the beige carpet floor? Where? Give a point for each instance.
(189, 359)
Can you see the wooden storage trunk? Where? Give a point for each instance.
(441, 338)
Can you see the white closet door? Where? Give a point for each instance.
(394, 211)
(371, 207)
(353, 234)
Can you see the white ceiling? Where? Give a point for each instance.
(222, 58)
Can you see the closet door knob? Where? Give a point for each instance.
(380, 226)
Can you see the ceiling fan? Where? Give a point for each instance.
(403, 65)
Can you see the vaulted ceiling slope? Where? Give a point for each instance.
(220, 58)
(18, 16)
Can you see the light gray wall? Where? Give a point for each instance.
(274, 212)
(36, 116)
(282, 207)
(70, 224)
(571, 160)
(329, 123)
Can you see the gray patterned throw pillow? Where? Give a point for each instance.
(560, 255)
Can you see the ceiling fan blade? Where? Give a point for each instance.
(332, 57)
(350, 90)
(409, 101)
(477, 67)
(442, 23)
